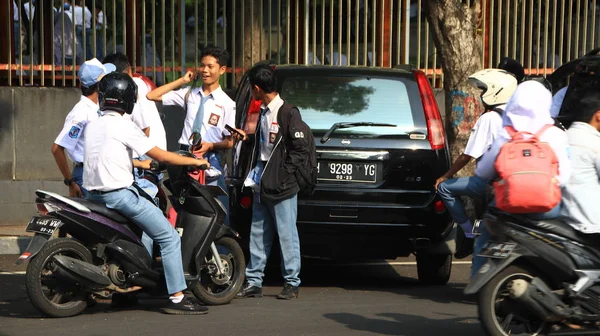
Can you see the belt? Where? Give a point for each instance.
(78, 164)
(100, 192)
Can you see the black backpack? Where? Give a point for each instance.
(306, 175)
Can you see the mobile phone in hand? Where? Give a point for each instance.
(233, 130)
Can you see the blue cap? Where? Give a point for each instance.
(92, 71)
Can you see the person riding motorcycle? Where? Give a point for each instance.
(497, 87)
(527, 111)
(109, 179)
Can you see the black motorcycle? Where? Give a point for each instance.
(100, 251)
(540, 278)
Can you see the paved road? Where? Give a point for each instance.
(334, 300)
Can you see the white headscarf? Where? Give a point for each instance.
(528, 110)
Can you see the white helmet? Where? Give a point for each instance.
(497, 85)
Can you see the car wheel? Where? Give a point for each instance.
(434, 269)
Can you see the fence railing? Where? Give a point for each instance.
(50, 39)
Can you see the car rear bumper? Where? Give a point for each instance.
(339, 230)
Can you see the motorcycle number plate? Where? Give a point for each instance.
(497, 250)
(44, 225)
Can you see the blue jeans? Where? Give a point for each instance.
(268, 217)
(152, 221)
(451, 190)
(77, 176)
(485, 235)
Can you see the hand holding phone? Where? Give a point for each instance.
(239, 135)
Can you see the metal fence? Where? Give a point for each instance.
(163, 38)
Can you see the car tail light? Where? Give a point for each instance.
(435, 125)
(439, 207)
(246, 202)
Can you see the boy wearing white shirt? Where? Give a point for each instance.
(208, 109)
(107, 175)
(72, 138)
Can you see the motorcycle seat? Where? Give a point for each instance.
(101, 209)
(556, 226)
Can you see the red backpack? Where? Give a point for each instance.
(527, 170)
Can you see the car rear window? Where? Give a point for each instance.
(324, 101)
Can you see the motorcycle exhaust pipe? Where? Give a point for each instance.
(80, 273)
(539, 299)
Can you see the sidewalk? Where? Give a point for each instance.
(13, 239)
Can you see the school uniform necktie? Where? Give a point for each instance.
(199, 121)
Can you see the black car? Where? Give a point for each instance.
(375, 195)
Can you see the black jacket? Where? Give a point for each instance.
(278, 180)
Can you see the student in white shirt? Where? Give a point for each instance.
(72, 138)
(83, 24)
(108, 176)
(208, 109)
(498, 86)
(146, 117)
(579, 203)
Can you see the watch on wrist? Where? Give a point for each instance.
(68, 182)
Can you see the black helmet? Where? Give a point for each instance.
(117, 92)
(512, 66)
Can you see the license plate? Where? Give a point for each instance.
(497, 250)
(347, 171)
(45, 225)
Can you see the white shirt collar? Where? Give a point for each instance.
(274, 104)
(87, 101)
(216, 93)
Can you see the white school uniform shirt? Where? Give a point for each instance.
(72, 135)
(484, 133)
(146, 115)
(82, 14)
(111, 141)
(218, 112)
(269, 134)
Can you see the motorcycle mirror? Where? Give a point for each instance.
(195, 139)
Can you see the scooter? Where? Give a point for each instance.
(103, 253)
(541, 277)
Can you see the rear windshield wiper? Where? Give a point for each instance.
(335, 126)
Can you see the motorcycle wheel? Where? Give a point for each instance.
(502, 316)
(214, 289)
(47, 293)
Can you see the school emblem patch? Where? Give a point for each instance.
(74, 132)
(214, 119)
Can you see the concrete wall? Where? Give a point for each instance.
(30, 120)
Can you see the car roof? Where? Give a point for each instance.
(358, 69)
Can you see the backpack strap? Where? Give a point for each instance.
(512, 132)
(542, 130)
(497, 110)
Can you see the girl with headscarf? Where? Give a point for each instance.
(528, 110)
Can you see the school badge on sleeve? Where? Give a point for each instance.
(214, 119)
(74, 132)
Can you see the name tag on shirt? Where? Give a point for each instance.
(215, 115)
(273, 130)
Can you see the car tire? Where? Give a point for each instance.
(434, 269)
